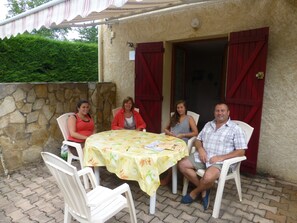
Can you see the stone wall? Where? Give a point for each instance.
(28, 115)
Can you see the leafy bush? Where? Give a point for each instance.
(28, 58)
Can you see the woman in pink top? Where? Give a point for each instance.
(81, 124)
(127, 117)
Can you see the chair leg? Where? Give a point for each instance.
(69, 157)
(238, 185)
(185, 186)
(131, 206)
(97, 174)
(218, 199)
(174, 179)
(67, 215)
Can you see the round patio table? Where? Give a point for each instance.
(135, 155)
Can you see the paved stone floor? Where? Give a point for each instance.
(31, 195)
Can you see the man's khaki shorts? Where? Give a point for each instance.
(199, 165)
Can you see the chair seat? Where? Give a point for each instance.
(102, 212)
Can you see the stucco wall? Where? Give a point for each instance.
(277, 149)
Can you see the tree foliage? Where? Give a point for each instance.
(88, 34)
(18, 6)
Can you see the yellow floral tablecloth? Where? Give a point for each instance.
(135, 155)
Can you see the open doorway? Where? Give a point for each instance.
(198, 76)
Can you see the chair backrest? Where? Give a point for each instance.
(62, 122)
(115, 111)
(69, 183)
(248, 130)
(193, 114)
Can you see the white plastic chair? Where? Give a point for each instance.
(190, 145)
(235, 174)
(97, 205)
(62, 122)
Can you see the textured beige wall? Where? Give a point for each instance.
(277, 150)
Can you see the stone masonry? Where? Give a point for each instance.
(28, 113)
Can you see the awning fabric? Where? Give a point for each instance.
(71, 13)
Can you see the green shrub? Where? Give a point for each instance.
(28, 58)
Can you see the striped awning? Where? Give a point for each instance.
(74, 13)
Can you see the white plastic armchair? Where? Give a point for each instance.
(234, 174)
(97, 205)
(62, 122)
(190, 145)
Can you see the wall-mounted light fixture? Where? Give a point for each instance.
(195, 23)
(132, 51)
(131, 45)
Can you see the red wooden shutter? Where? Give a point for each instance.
(148, 83)
(245, 84)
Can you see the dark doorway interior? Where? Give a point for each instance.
(199, 69)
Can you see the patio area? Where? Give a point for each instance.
(31, 195)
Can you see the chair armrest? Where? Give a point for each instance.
(73, 144)
(226, 165)
(124, 188)
(191, 146)
(231, 161)
(76, 145)
(228, 162)
(89, 172)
